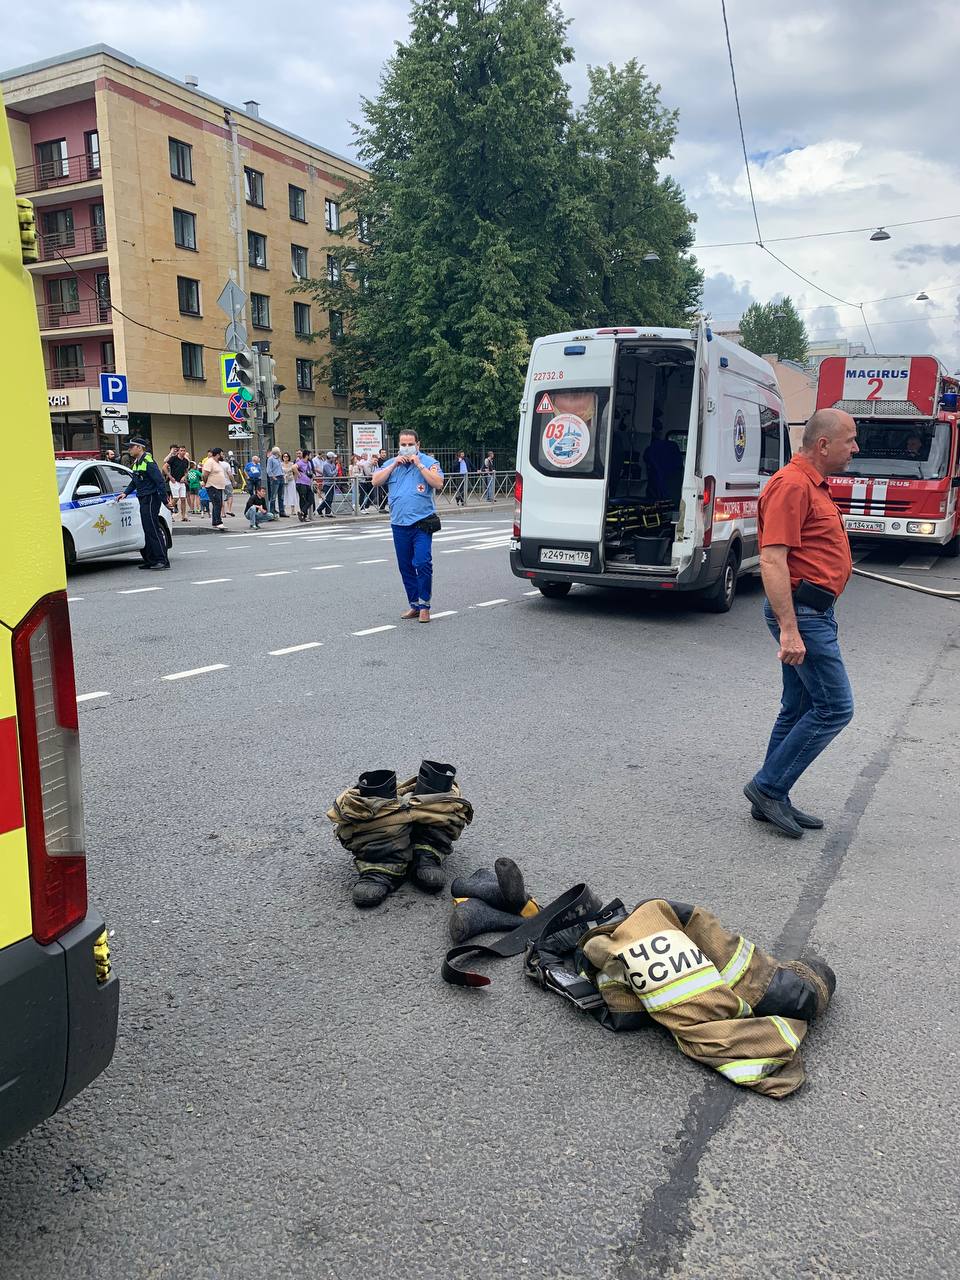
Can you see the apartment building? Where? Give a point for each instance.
(149, 196)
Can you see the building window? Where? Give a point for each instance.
(336, 326)
(253, 187)
(191, 357)
(67, 365)
(308, 436)
(91, 147)
(260, 310)
(301, 319)
(257, 250)
(364, 234)
(298, 262)
(52, 160)
(63, 296)
(337, 385)
(181, 160)
(98, 227)
(298, 204)
(108, 360)
(58, 229)
(188, 296)
(340, 435)
(304, 375)
(184, 229)
(331, 215)
(333, 269)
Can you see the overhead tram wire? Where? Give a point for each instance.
(743, 141)
(817, 235)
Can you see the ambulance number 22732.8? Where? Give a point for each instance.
(549, 377)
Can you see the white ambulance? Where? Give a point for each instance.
(641, 457)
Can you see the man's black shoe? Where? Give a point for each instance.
(159, 566)
(144, 566)
(777, 812)
(806, 820)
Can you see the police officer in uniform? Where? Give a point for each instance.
(151, 489)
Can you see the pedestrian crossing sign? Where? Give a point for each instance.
(545, 405)
(229, 381)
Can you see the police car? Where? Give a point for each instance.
(94, 524)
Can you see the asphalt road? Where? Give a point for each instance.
(296, 1092)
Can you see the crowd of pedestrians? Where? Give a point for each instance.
(304, 485)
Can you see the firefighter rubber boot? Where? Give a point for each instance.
(429, 849)
(500, 887)
(372, 888)
(471, 916)
(378, 784)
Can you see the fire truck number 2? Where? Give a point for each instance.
(877, 385)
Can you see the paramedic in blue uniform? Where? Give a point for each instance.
(151, 489)
(411, 479)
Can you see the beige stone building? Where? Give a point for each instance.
(149, 196)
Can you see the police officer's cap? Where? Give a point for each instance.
(137, 440)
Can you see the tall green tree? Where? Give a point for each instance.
(774, 328)
(493, 215)
(620, 137)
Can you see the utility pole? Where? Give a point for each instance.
(236, 215)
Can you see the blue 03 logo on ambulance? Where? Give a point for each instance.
(739, 435)
(566, 440)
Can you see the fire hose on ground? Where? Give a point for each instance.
(909, 586)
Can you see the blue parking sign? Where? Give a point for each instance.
(113, 388)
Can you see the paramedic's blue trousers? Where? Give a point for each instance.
(415, 560)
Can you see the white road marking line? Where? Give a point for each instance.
(919, 562)
(372, 562)
(205, 582)
(296, 648)
(274, 573)
(137, 591)
(372, 631)
(454, 551)
(198, 551)
(485, 604)
(70, 599)
(85, 697)
(447, 613)
(196, 671)
(326, 566)
(535, 592)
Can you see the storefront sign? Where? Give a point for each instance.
(57, 400)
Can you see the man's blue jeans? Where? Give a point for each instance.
(415, 559)
(275, 494)
(817, 702)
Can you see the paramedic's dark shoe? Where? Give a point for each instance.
(426, 872)
(808, 821)
(371, 889)
(776, 812)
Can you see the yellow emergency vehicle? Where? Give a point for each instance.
(58, 996)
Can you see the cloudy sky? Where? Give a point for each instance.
(849, 111)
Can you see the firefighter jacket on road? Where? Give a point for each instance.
(723, 999)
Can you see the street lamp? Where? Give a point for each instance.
(880, 234)
(922, 297)
(651, 257)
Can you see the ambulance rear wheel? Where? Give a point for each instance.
(554, 590)
(952, 548)
(720, 597)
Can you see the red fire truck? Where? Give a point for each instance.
(904, 482)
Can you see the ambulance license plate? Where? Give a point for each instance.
(865, 526)
(562, 555)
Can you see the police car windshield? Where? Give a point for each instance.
(64, 471)
(907, 450)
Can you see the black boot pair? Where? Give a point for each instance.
(425, 868)
(490, 900)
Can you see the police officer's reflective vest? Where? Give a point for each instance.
(148, 478)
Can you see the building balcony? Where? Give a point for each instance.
(84, 375)
(46, 181)
(88, 314)
(89, 243)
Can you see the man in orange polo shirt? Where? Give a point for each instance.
(805, 564)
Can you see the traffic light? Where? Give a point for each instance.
(271, 387)
(247, 373)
